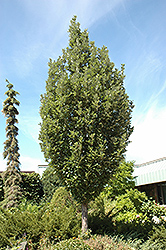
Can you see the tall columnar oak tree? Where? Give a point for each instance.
(86, 117)
(11, 177)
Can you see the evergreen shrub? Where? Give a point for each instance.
(23, 221)
(62, 218)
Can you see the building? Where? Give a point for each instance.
(150, 177)
(42, 168)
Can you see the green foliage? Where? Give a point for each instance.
(107, 243)
(86, 116)
(50, 182)
(32, 187)
(71, 244)
(133, 212)
(61, 219)
(23, 221)
(120, 181)
(99, 222)
(158, 237)
(11, 177)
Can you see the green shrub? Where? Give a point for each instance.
(98, 221)
(61, 217)
(121, 180)
(133, 212)
(23, 221)
(107, 243)
(32, 187)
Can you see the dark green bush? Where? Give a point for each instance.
(99, 222)
(32, 187)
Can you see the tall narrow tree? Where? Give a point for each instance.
(86, 117)
(11, 177)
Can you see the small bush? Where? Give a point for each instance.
(61, 217)
(133, 212)
(107, 243)
(23, 221)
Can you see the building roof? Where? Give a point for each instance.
(150, 172)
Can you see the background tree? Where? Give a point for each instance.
(86, 117)
(31, 186)
(50, 182)
(121, 181)
(11, 177)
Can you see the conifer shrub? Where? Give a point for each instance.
(23, 221)
(62, 217)
(71, 244)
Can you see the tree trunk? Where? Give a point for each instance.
(84, 218)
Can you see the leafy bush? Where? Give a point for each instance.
(31, 186)
(134, 212)
(99, 222)
(120, 181)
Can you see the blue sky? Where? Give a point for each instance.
(133, 31)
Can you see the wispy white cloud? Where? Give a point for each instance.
(29, 126)
(149, 137)
(24, 59)
(46, 36)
